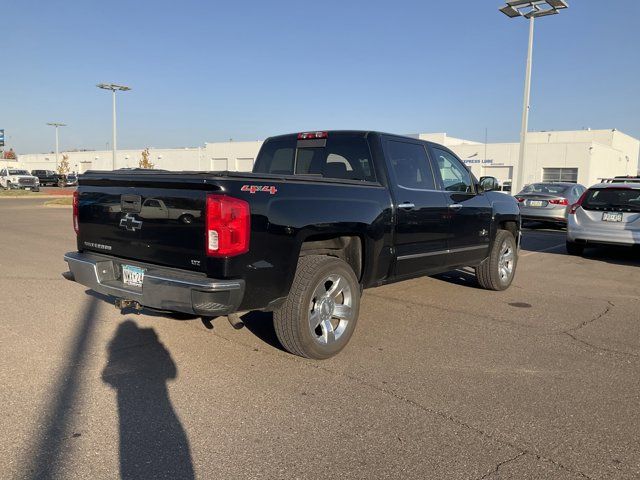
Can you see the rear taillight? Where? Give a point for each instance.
(520, 199)
(575, 206)
(76, 225)
(312, 135)
(228, 226)
(559, 201)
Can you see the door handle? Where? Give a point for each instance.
(406, 206)
(455, 206)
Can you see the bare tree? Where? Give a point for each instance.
(144, 161)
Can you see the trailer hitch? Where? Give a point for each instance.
(122, 304)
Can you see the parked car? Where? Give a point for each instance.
(322, 216)
(607, 213)
(71, 180)
(549, 201)
(17, 179)
(48, 177)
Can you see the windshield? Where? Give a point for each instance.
(618, 199)
(548, 188)
(18, 172)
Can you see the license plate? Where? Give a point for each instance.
(132, 275)
(536, 203)
(27, 189)
(612, 217)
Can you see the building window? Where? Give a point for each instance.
(560, 175)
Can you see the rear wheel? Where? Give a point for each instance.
(574, 248)
(320, 314)
(496, 272)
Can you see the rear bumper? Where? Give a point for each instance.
(546, 215)
(595, 237)
(162, 288)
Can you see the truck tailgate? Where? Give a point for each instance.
(160, 225)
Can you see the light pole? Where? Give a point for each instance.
(56, 125)
(113, 87)
(530, 9)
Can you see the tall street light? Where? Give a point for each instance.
(113, 87)
(56, 125)
(530, 9)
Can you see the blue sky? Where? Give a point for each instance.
(210, 70)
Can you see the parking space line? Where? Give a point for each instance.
(544, 250)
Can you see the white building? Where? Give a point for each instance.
(584, 156)
(213, 156)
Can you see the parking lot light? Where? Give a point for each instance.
(56, 125)
(114, 88)
(530, 9)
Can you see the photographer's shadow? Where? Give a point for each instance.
(153, 443)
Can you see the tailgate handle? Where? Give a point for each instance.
(130, 203)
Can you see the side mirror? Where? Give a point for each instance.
(488, 184)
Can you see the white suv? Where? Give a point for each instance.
(607, 213)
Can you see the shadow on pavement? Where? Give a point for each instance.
(153, 442)
(261, 325)
(552, 242)
(55, 436)
(465, 277)
(615, 255)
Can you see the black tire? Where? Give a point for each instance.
(575, 248)
(292, 320)
(488, 272)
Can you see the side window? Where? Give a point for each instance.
(282, 162)
(455, 177)
(410, 165)
(3, 173)
(152, 203)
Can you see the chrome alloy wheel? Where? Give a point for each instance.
(330, 309)
(506, 261)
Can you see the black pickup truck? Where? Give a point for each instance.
(322, 216)
(48, 177)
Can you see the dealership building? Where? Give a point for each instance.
(583, 156)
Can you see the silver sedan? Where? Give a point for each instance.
(548, 202)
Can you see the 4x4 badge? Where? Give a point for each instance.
(130, 223)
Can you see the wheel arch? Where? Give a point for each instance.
(347, 247)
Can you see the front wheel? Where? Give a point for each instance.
(496, 272)
(320, 313)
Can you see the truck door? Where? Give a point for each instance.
(421, 224)
(469, 212)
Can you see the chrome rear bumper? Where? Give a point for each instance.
(162, 288)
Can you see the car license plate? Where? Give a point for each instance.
(536, 203)
(28, 189)
(612, 217)
(132, 275)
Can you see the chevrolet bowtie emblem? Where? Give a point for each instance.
(130, 223)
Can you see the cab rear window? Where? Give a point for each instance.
(339, 156)
(617, 199)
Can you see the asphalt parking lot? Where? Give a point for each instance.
(441, 380)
